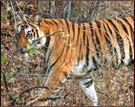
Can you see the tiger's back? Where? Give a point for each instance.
(90, 45)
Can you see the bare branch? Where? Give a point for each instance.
(13, 13)
(53, 97)
(19, 10)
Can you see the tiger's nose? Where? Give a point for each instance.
(22, 42)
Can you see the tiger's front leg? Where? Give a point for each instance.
(55, 79)
(88, 87)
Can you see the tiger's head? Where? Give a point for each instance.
(27, 32)
(39, 32)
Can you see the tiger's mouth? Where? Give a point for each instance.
(23, 50)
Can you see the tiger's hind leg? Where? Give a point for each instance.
(88, 87)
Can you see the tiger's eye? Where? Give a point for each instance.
(22, 27)
(26, 26)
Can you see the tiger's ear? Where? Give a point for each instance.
(37, 20)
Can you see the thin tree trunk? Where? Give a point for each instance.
(40, 6)
(52, 9)
(64, 9)
(94, 11)
(69, 11)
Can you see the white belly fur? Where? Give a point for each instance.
(81, 68)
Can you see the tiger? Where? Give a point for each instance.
(77, 49)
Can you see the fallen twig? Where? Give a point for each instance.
(53, 97)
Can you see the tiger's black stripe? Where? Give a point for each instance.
(78, 34)
(62, 25)
(87, 52)
(47, 43)
(78, 45)
(97, 38)
(123, 26)
(54, 62)
(37, 33)
(73, 31)
(48, 22)
(88, 84)
(119, 40)
(55, 23)
(95, 63)
(84, 30)
(108, 42)
(68, 33)
(67, 27)
(110, 31)
(92, 35)
(131, 29)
